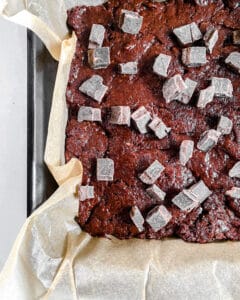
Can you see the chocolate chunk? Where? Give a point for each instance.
(236, 37)
(223, 87)
(129, 68)
(206, 96)
(158, 217)
(210, 38)
(173, 87)
(186, 95)
(200, 191)
(99, 58)
(120, 115)
(192, 197)
(94, 88)
(188, 34)
(96, 36)
(208, 140)
(186, 151)
(141, 118)
(137, 218)
(130, 22)
(156, 193)
(235, 170)
(194, 56)
(225, 125)
(159, 128)
(233, 60)
(152, 173)
(185, 201)
(105, 169)
(87, 113)
(85, 192)
(202, 2)
(161, 64)
(233, 193)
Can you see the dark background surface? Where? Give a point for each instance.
(42, 71)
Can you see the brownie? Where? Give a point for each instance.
(128, 202)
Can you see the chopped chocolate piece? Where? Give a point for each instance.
(137, 218)
(120, 115)
(99, 58)
(194, 56)
(161, 64)
(105, 169)
(85, 192)
(173, 87)
(191, 198)
(210, 38)
(94, 88)
(186, 151)
(185, 201)
(233, 60)
(129, 68)
(87, 113)
(188, 34)
(206, 96)
(141, 118)
(225, 125)
(208, 140)
(233, 193)
(200, 191)
(223, 87)
(130, 21)
(236, 37)
(186, 95)
(202, 2)
(96, 36)
(158, 217)
(156, 193)
(235, 170)
(159, 128)
(152, 173)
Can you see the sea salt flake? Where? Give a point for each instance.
(188, 34)
(186, 95)
(210, 38)
(234, 192)
(233, 60)
(120, 115)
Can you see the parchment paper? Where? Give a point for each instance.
(53, 259)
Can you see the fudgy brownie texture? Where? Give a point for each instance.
(217, 218)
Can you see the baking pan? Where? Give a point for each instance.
(41, 78)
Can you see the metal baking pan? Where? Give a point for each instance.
(41, 78)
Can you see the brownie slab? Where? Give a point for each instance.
(163, 81)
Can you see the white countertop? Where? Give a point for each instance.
(13, 132)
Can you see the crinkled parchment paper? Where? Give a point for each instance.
(53, 259)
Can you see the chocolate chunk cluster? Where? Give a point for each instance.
(154, 118)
